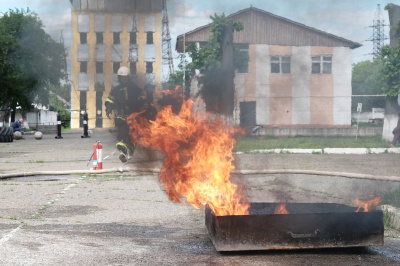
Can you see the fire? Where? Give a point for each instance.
(366, 205)
(281, 209)
(198, 149)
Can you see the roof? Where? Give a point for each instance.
(262, 27)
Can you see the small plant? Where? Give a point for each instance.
(392, 198)
(387, 219)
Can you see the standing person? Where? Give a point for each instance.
(396, 133)
(124, 99)
(18, 125)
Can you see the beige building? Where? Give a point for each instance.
(108, 34)
(296, 75)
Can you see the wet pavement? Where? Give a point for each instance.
(126, 219)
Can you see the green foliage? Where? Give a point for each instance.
(247, 143)
(177, 77)
(392, 198)
(30, 60)
(367, 80)
(58, 106)
(391, 70)
(208, 57)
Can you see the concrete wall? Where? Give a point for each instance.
(300, 97)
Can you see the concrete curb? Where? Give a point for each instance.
(359, 151)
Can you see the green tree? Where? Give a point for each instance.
(367, 80)
(208, 59)
(391, 69)
(30, 60)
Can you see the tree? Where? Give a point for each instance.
(391, 74)
(208, 59)
(367, 80)
(30, 60)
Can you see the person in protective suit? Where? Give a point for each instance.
(124, 99)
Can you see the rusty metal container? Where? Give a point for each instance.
(308, 225)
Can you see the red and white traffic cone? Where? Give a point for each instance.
(97, 156)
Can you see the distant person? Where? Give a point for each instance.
(396, 132)
(18, 125)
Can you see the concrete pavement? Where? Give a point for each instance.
(126, 218)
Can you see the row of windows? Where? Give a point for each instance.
(320, 64)
(116, 66)
(117, 38)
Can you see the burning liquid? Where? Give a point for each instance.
(281, 209)
(366, 205)
(198, 162)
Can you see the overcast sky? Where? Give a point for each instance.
(350, 19)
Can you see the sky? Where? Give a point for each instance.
(349, 19)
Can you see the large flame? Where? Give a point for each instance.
(198, 149)
(366, 205)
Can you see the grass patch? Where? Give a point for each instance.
(392, 198)
(247, 143)
(387, 219)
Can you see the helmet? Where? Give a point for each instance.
(123, 71)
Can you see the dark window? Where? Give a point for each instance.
(116, 66)
(242, 58)
(99, 37)
(285, 64)
(149, 39)
(133, 68)
(149, 67)
(116, 38)
(132, 38)
(83, 37)
(275, 68)
(99, 67)
(321, 64)
(280, 64)
(83, 67)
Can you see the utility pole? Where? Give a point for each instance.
(166, 42)
(378, 35)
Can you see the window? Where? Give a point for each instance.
(132, 38)
(241, 59)
(133, 68)
(116, 66)
(321, 64)
(83, 67)
(116, 38)
(99, 37)
(99, 67)
(280, 64)
(149, 39)
(83, 37)
(149, 67)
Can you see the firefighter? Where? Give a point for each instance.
(124, 99)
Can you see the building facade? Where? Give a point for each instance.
(108, 34)
(296, 75)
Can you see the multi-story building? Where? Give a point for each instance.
(296, 75)
(108, 34)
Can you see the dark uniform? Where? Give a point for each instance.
(124, 99)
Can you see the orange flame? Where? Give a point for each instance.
(198, 162)
(366, 205)
(281, 209)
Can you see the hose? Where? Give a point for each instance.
(238, 172)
